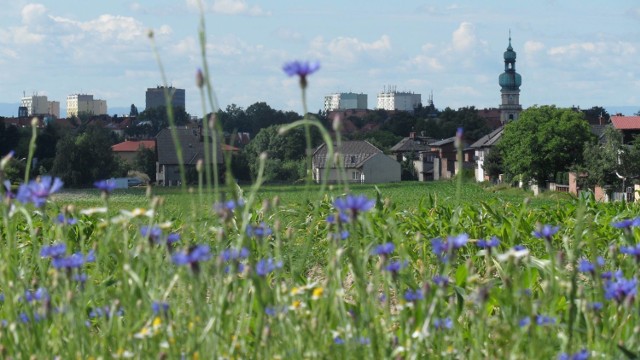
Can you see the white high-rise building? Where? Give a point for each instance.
(345, 101)
(390, 99)
(81, 103)
(39, 105)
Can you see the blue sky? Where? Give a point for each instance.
(570, 52)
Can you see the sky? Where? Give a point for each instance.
(569, 52)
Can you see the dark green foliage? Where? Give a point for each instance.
(133, 111)
(256, 117)
(280, 149)
(145, 162)
(543, 141)
(493, 164)
(9, 138)
(381, 139)
(80, 160)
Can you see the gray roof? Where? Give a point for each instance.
(191, 143)
(443, 142)
(488, 140)
(354, 153)
(598, 130)
(408, 144)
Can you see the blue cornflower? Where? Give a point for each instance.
(106, 186)
(338, 340)
(172, 238)
(580, 355)
(153, 233)
(606, 275)
(443, 249)
(302, 69)
(384, 249)
(62, 220)
(524, 321)
(546, 232)
(458, 241)
(39, 295)
(488, 244)
(7, 190)
(441, 281)
(519, 247)
(106, 312)
(543, 320)
(37, 192)
(445, 323)
(80, 278)
(340, 218)
(626, 224)
(631, 250)
(73, 261)
(225, 209)
(234, 256)
(353, 205)
(620, 289)
(266, 266)
(259, 231)
(160, 308)
(595, 306)
(413, 295)
(586, 266)
(54, 251)
(364, 340)
(394, 267)
(195, 255)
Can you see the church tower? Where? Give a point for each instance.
(510, 82)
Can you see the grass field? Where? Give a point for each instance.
(405, 270)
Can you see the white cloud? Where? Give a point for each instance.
(33, 13)
(349, 49)
(228, 7)
(431, 63)
(464, 37)
(532, 47)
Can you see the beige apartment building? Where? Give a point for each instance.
(82, 103)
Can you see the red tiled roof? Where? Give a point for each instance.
(626, 122)
(133, 145)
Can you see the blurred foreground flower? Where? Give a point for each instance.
(353, 205)
(106, 186)
(620, 289)
(266, 266)
(580, 355)
(302, 69)
(193, 257)
(37, 192)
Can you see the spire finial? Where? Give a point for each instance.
(509, 37)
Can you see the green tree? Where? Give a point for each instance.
(601, 161)
(290, 146)
(145, 161)
(493, 164)
(80, 160)
(133, 111)
(543, 141)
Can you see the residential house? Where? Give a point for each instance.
(444, 155)
(192, 144)
(128, 150)
(480, 150)
(410, 147)
(629, 126)
(363, 163)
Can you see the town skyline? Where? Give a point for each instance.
(452, 50)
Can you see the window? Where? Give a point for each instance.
(355, 175)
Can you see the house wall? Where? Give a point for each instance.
(381, 168)
(479, 171)
(335, 175)
(168, 175)
(128, 156)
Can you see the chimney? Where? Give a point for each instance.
(412, 135)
